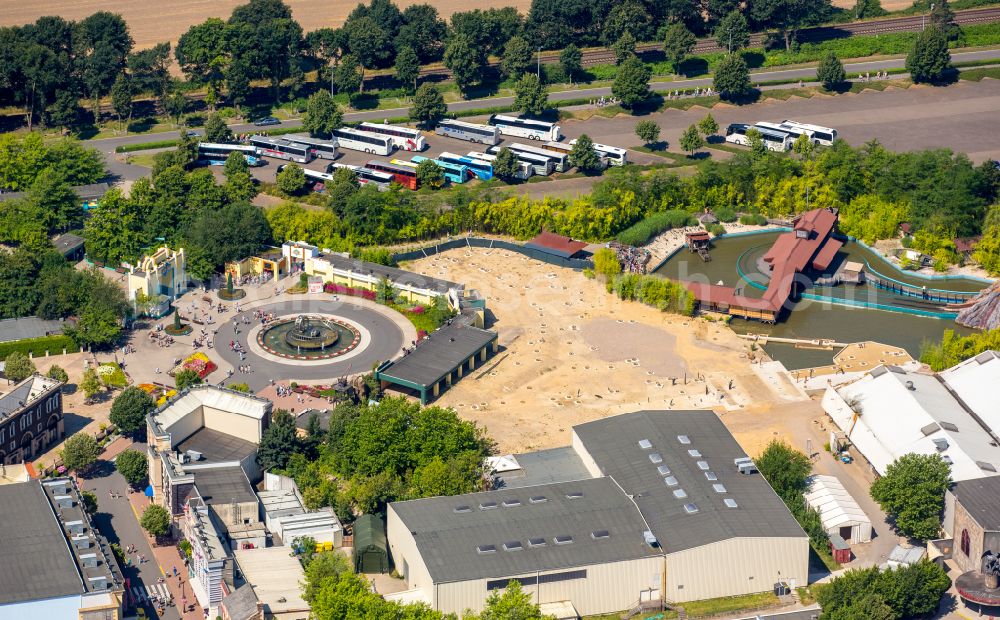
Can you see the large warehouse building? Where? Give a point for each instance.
(665, 514)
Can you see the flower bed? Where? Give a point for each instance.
(200, 364)
(340, 289)
(112, 375)
(160, 393)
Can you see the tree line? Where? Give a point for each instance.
(48, 66)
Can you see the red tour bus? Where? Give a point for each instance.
(404, 175)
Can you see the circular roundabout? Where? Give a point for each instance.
(309, 340)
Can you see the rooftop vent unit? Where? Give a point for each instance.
(574, 495)
(538, 499)
(690, 508)
(703, 465)
(99, 583)
(463, 509)
(680, 493)
(670, 481)
(710, 476)
(947, 459)
(645, 444)
(948, 426)
(650, 539)
(75, 526)
(983, 465)
(64, 501)
(194, 455)
(599, 534)
(536, 542)
(719, 488)
(940, 443)
(81, 542)
(487, 505)
(695, 454)
(663, 470)
(513, 545)
(89, 560)
(745, 465)
(730, 502)
(486, 549)
(684, 439)
(910, 386)
(510, 503)
(563, 540)
(59, 487)
(802, 233)
(655, 458)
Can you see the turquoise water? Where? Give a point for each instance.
(907, 326)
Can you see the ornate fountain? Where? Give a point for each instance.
(311, 334)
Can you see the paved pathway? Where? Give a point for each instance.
(118, 520)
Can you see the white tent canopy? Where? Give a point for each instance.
(838, 510)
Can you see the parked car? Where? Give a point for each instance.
(267, 120)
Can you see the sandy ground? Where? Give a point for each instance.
(570, 353)
(152, 22)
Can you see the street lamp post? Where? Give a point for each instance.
(538, 64)
(923, 16)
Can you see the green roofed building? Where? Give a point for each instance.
(370, 555)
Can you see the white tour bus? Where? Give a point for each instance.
(615, 156)
(215, 154)
(560, 161)
(460, 130)
(820, 135)
(366, 176)
(323, 149)
(405, 138)
(282, 149)
(364, 141)
(541, 165)
(312, 176)
(773, 140)
(524, 169)
(794, 132)
(526, 128)
(565, 149)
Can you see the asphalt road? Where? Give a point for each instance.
(118, 168)
(119, 524)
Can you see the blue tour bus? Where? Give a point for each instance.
(480, 169)
(455, 173)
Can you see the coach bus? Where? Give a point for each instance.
(215, 154)
(482, 170)
(773, 140)
(526, 128)
(540, 164)
(404, 138)
(315, 178)
(560, 161)
(323, 149)
(793, 132)
(524, 170)
(565, 149)
(460, 130)
(401, 173)
(455, 173)
(363, 141)
(821, 135)
(615, 156)
(365, 176)
(282, 149)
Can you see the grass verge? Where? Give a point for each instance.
(729, 604)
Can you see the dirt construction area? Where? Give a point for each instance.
(571, 352)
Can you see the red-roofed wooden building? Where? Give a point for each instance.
(556, 245)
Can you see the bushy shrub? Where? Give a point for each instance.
(647, 228)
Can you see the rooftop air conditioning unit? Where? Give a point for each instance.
(909, 386)
(89, 560)
(75, 526)
(64, 501)
(81, 542)
(194, 455)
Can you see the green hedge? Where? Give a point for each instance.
(38, 346)
(145, 146)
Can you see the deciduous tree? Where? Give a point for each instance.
(912, 493)
(216, 129)
(571, 60)
(691, 140)
(733, 33)
(631, 85)
(647, 131)
(430, 174)
(708, 126)
(79, 452)
(623, 48)
(291, 180)
(18, 367)
(278, 442)
(583, 155)
(132, 465)
(407, 68)
(830, 71)
(929, 60)
(322, 114)
(732, 78)
(517, 57)
(155, 520)
(465, 62)
(506, 164)
(428, 105)
(678, 43)
(530, 95)
(129, 410)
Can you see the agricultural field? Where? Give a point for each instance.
(152, 22)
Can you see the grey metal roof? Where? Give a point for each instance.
(28, 327)
(448, 540)
(215, 446)
(95, 190)
(545, 467)
(393, 274)
(44, 567)
(67, 243)
(15, 400)
(981, 498)
(613, 443)
(241, 604)
(439, 354)
(223, 485)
